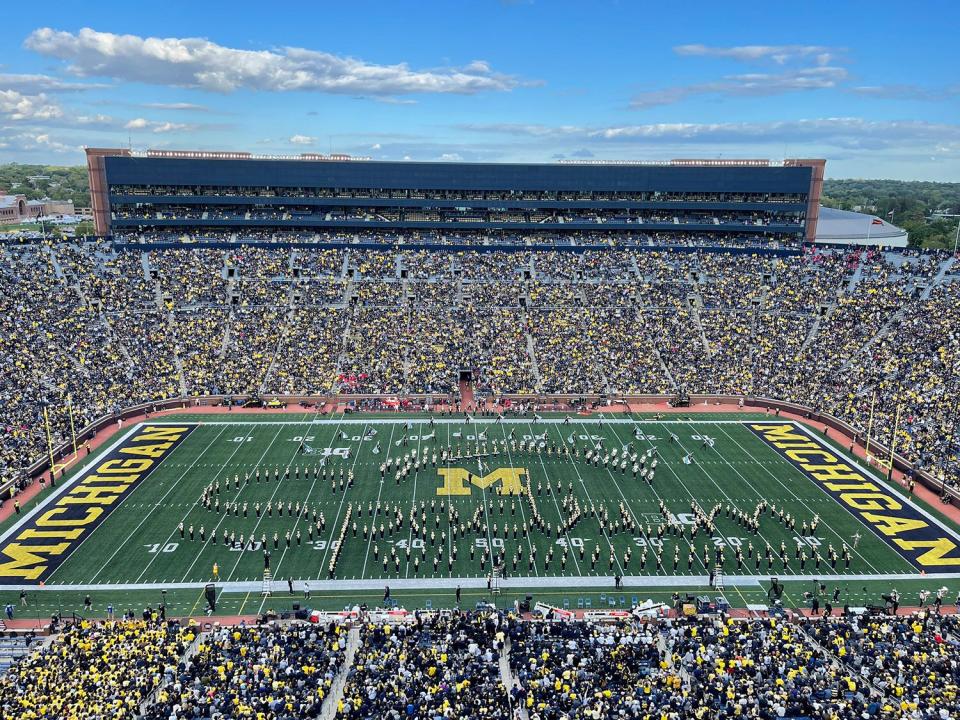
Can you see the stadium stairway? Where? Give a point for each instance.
(466, 393)
(531, 353)
(225, 342)
(676, 667)
(177, 360)
(330, 703)
(268, 375)
(695, 314)
(506, 675)
(887, 328)
(854, 279)
(666, 370)
(837, 663)
(187, 656)
(55, 263)
(938, 278)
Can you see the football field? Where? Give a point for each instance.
(353, 502)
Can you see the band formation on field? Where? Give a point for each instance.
(355, 503)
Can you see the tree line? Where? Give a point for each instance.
(912, 204)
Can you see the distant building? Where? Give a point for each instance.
(13, 209)
(16, 209)
(842, 227)
(53, 207)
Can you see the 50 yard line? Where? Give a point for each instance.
(336, 520)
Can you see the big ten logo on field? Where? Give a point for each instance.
(457, 481)
(323, 452)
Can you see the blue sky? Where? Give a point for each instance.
(871, 87)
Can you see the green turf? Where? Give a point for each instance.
(139, 542)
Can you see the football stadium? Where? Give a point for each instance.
(319, 436)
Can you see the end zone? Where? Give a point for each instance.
(33, 548)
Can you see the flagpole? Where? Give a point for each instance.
(893, 441)
(73, 432)
(53, 469)
(870, 425)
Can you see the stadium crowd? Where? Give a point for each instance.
(93, 671)
(491, 664)
(261, 671)
(867, 336)
(446, 666)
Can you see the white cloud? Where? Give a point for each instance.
(375, 146)
(98, 119)
(36, 142)
(181, 106)
(42, 83)
(756, 84)
(532, 130)
(165, 127)
(302, 140)
(847, 132)
(905, 92)
(804, 67)
(779, 54)
(451, 157)
(157, 126)
(387, 100)
(17, 106)
(200, 63)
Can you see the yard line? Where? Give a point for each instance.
(694, 498)
(560, 512)
(840, 538)
(336, 522)
(223, 515)
(413, 499)
(486, 515)
(296, 522)
(450, 529)
(146, 516)
(195, 502)
(609, 472)
(523, 514)
(376, 508)
(280, 482)
(722, 492)
(643, 532)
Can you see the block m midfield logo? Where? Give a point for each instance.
(457, 481)
(34, 549)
